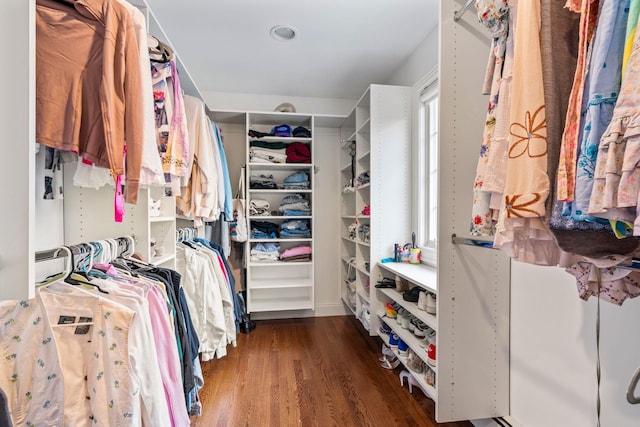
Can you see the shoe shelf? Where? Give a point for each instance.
(348, 239)
(408, 337)
(363, 186)
(360, 242)
(348, 304)
(362, 270)
(346, 167)
(419, 377)
(363, 294)
(411, 307)
(418, 274)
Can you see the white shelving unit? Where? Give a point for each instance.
(280, 285)
(379, 125)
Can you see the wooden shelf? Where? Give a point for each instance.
(363, 186)
(280, 240)
(271, 217)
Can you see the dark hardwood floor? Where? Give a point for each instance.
(309, 372)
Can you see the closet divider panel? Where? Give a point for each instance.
(17, 120)
(473, 283)
(89, 215)
(388, 146)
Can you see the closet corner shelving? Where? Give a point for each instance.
(279, 285)
(380, 127)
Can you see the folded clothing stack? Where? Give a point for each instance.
(267, 155)
(262, 182)
(297, 254)
(295, 228)
(295, 205)
(258, 207)
(265, 252)
(297, 181)
(298, 153)
(264, 230)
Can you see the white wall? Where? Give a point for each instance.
(226, 101)
(422, 60)
(17, 121)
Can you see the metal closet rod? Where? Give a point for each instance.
(469, 241)
(459, 13)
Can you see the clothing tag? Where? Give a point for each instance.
(66, 320)
(81, 330)
(119, 200)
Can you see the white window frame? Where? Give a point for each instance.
(427, 88)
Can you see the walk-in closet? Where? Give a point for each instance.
(328, 213)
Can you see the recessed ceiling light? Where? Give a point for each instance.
(283, 32)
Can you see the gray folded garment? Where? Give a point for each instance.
(259, 207)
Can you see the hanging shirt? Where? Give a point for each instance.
(88, 62)
(521, 232)
(66, 361)
(567, 163)
(632, 24)
(601, 92)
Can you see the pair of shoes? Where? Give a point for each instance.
(422, 301)
(431, 306)
(403, 347)
(385, 329)
(386, 283)
(387, 353)
(390, 363)
(411, 381)
(393, 340)
(412, 294)
(415, 363)
(429, 338)
(431, 355)
(420, 328)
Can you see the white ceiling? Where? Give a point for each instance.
(341, 47)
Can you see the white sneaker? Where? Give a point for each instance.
(431, 304)
(422, 301)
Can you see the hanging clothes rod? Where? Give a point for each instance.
(471, 242)
(52, 254)
(459, 13)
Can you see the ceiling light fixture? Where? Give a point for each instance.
(283, 32)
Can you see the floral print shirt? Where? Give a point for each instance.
(65, 361)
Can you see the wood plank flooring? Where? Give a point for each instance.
(309, 372)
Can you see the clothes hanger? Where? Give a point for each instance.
(631, 397)
(81, 277)
(68, 266)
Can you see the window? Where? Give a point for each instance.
(426, 191)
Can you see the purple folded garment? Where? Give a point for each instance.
(296, 251)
